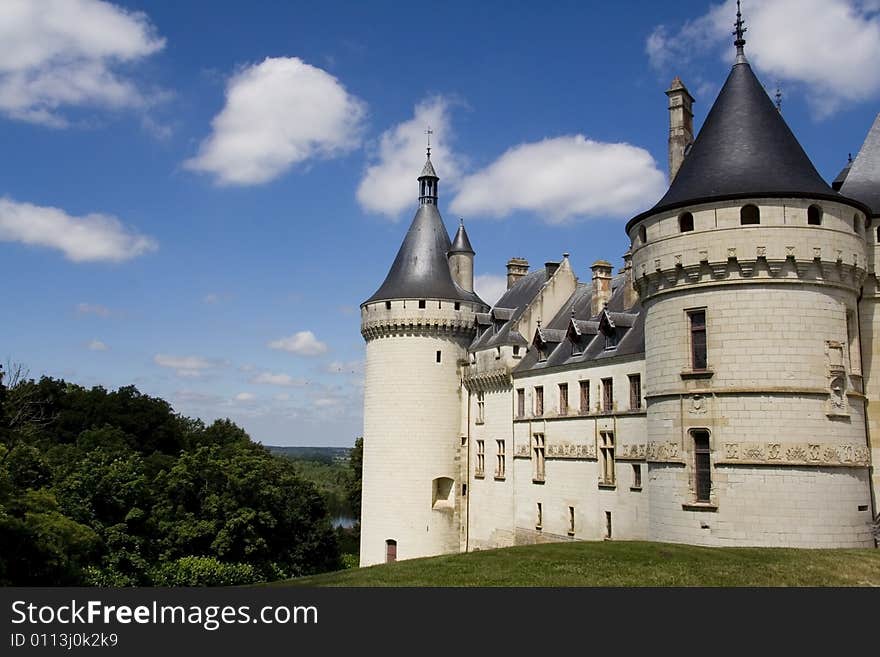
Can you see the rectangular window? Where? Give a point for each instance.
(458, 305)
(438, 356)
(563, 399)
(500, 458)
(571, 521)
(607, 395)
(635, 392)
(539, 401)
(606, 452)
(481, 407)
(697, 320)
(852, 339)
(539, 516)
(702, 465)
(421, 303)
(585, 396)
(611, 339)
(538, 453)
(480, 466)
(516, 351)
(637, 475)
(520, 402)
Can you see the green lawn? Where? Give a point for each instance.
(619, 563)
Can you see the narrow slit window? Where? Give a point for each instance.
(702, 466)
(699, 356)
(439, 356)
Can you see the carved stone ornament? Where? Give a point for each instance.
(796, 454)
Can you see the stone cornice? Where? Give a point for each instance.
(491, 380)
(670, 273)
(418, 325)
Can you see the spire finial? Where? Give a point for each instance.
(461, 221)
(739, 32)
(429, 132)
(778, 97)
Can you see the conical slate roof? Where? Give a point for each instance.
(421, 268)
(461, 243)
(862, 183)
(744, 149)
(428, 169)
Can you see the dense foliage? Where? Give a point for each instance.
(113, 488)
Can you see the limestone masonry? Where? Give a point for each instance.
(719, 389)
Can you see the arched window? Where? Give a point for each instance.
(390, 551)
(643, 235)
(749, 214)
(685, 222)
(814, 215)
(857, 224)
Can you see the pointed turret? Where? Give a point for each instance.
(461, 260)
(421, 269)
(744, 149)
(862, 182)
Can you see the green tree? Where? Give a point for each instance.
(356, 475)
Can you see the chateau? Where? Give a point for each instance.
(719, 389)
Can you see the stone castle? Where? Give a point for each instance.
(719, 389)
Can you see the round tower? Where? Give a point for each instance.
(461, 260)
(750, 269)
(417, 327)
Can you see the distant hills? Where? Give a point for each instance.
(325, 454)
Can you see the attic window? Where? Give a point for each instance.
(749, 214)
(611, 339)
(685, 222)
(643, 235)
(577, 347)
(421, 303)
(856, 223)
(458, 305)
(814, 215)
(387, 305)
(516, 351)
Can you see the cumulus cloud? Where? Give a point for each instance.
(832, 49)
(57, 53)
(490, 287)
(278, 113)
(94, 237)
(303, 343)
(97, 345)
(563, 178)
(272, 379)
(389, 184)
(185, 366)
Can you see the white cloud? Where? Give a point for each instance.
(97, 345)
(94, 237)
(490, 287)
(272, 379)
(56, 53)
(245, 396)
(93, 309)
(324, 402)
(185, 366)
(278, 113)
(389, 184)
(303, 343)
(563, 178)
(832, 48)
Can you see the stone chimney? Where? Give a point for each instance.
(551, 268)
(601, 286)
(630, 295)
(516, 269)
(681, 124)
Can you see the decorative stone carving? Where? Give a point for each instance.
(635, 451)
(521, 451)
(665, 451)
(817, 454)
(761, 252)
(566, 450)
(698, 405)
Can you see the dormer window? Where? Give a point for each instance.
(749, 215)
(611, 339)
(685, 222)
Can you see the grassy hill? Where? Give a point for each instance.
(619, 563)
(326, 454)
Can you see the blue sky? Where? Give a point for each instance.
(195, 197)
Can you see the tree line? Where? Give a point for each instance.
(113, 488)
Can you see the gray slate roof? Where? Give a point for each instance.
(630, 326)
(421, 268)
(428, 170)
(507, 311)
(863, 180)
(461, 243)
(744, 149)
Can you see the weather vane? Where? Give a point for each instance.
(429, 132)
